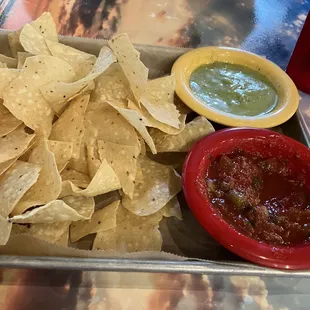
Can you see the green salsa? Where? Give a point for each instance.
(233, 89)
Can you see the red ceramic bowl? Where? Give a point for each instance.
(268, 144)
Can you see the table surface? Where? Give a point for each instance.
(267, 27)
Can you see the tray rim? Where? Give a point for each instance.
(145, 266)
(189, 266)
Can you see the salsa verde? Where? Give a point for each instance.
(233, 89)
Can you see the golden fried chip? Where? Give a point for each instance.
(8, 122)
(108, 125)
(68, 209)
(21, 58)
(137, 121)
(93, 161)
(102, 220)
(81, 62)
(123, 160)
(48, 186)
(129, 59)
(23, 97)
(44, 25)
(158, 100)
(193, 132)
(132, 233)
(150, 121)
(62, 152)
(70, 126)
(14, 43)
(172, 209)
(5, 230)
(32, 41)
(6, 165)
(9, 61)
(80, 163)
(78, 178)
(14, 183)
(155, 185)
(14, 144)
(49, 232)
(6, 77)
(103, 182)
(59, 92)
(63, 240)
(111, 85)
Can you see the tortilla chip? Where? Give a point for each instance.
(48, 186)
(51, 233)
(23, 97)
(14, 43)
(14, 144)
(70, 126)
(123, 160)
(183, 142)
(78, 178)
(21, 58)
(68, 209)
(80, 163)
(9, 61)
(172, 209)
(142, 145)
(63, 240)
(32, 36)
(174, 159)
(103, 182)
(102, 220)
(108, 125)
(155, 185)
(93, 161)
(158, 100)
(132, 233)
(84, 206)
(111, 85)
(129, 59)
(137, 121)
(8, 122)
(62, 152)
(58, 92)
(6, 165)
(46, 26)
(150, 121)
(6, 77)
(81, 62)
(32, 41)
(14, 183)
(5, 230)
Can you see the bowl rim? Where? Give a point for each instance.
(188, 62)
(295, 257)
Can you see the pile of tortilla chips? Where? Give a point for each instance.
(74, 127)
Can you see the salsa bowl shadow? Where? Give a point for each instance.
(269, 144)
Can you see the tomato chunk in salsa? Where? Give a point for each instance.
(263, 198)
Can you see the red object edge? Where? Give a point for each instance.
(268, 143)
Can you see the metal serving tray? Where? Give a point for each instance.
(208, 256)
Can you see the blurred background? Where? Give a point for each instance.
(267, 27)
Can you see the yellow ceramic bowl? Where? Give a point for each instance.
(288, 97)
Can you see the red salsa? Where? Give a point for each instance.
(263, 198)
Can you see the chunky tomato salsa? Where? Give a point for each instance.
(260, 197)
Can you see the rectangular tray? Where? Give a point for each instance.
(210, 256)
